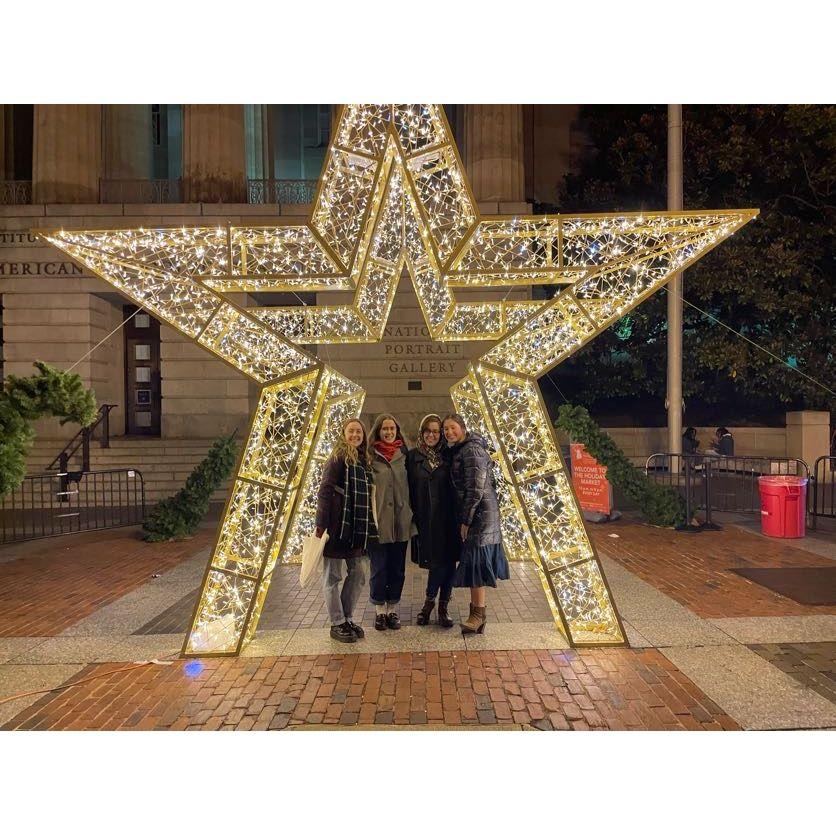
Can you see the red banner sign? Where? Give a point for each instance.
(589, 479)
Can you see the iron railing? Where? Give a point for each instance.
(281, 191)
(82, 440)
(140, 191)
(15, 192)
(821, 493)
(719, 483)
(51, 504)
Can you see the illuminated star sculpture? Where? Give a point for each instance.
(394, 195)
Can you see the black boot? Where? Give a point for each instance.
(424, 615)
(444, 619)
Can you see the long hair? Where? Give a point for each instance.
(351, 454)
(378, 422)
(454, 416)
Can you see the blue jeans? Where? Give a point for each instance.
(388, 570)
(441, 578)
(341, 602)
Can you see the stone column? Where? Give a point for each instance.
(494, 152)
(257, 132)
(67, 158)
(3, 174)
(808, 435)
(214, 163)
(127, 142)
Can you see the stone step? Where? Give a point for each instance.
(115, 452)
(155, 463)
(52, 446)
(165, 464)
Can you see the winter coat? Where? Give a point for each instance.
(434, 510)
(725, 445)
(471, 472)
(329, 509)
(394, 513)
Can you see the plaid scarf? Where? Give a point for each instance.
(357, 523)
(431, 454)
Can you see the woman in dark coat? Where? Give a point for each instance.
(436, 546)
(690, 442)
(344, 510)
(482, 558)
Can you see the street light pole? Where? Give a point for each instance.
(673, 402)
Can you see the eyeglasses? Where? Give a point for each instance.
(432, 432)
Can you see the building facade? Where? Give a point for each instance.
(112, 166)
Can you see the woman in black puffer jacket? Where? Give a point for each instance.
(482, 559)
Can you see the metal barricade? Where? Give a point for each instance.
(821, 492)
(719, 483)
(686, 475)
(734, 479)
(51, 504)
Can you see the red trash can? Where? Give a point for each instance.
(783, 505)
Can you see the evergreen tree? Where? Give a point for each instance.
(773, 281)
(179, 516)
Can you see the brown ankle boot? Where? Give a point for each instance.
(475, 621)
(424, 615)
(444, 619)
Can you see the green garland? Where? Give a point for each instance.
(23, 400)
(660, 504)
(179, 516)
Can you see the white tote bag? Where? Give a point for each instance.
(312, 548)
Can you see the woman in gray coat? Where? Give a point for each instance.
(394, 521)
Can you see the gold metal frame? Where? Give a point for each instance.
(394, 195)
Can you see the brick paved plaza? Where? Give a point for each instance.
(710, 649)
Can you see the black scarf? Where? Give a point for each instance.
(357, 524)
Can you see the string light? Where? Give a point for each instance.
(394, 196)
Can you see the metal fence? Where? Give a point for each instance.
(296, 192)
(140, 191)
(281, 191)
(50, 504)
(719, 483)
(15, 192)
(821, 493)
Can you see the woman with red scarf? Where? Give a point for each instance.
(394, 521)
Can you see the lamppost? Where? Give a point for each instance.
(673, 402)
